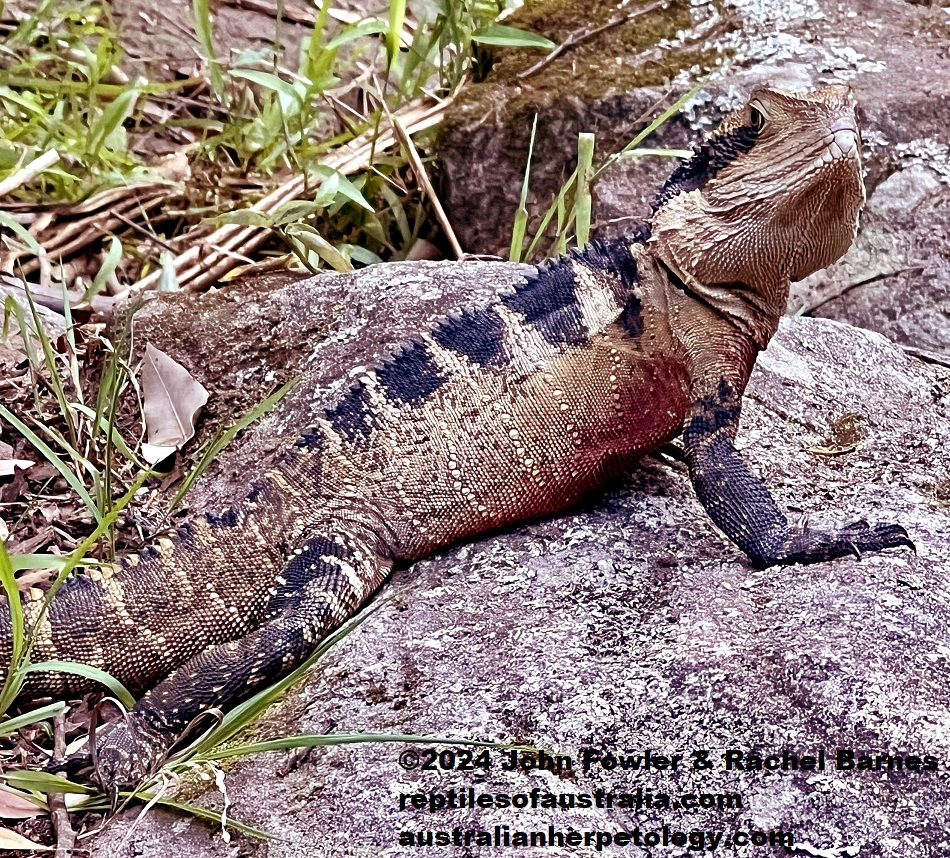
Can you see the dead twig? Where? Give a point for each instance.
(927, 356)
(75, 236)
(808, 309)
(586, 33)
(147, 233)
(65, 835)
(209, 257)
(422, 177)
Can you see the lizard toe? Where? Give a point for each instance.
(867, 538)
(857, 538)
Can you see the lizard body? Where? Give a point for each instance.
(504, 412)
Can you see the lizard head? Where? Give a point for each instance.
(773, 195)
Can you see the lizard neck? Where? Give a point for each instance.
(753, 309)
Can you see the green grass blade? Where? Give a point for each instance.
(112, 118)
(321, 741)
(71, 350)
(319, 57)
(245, 713)
(17, 631)
(44, 782)
(521, 216)
(205, 32)
(372, 27)
(12, 307)
(168, 281)
(670, 111)
(119, 691)
(397, 18)
(582, 205)
(224, 438)
(212, 816)
(40, 561)
(49, 358)
(53, 459)
(51, 710)
(20, 232)
(511, 37)
(110, 431)
(564, 218)
(305, 240)
(553, 209)
(106, 270)
(269, 81)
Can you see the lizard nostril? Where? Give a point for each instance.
(843, 123)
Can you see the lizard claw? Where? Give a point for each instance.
(896, 535)
(816, 546)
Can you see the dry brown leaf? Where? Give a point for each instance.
(13, 806)
(172, 400)
(8, 466)
(8, 462)
(42, 538)
(11, 840)
(844, 436)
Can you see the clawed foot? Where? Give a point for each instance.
(816, 546)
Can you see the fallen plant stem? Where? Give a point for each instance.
(65, 835)
(585, 33)
(857, 284)
(206, 260)
(927, 356)
(423, 178)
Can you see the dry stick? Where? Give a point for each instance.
(585, 33)
(60, 234)
(867, 281)
(196, 268)
(147, 233)
(423, 178)
(29, 172)
(251, 237)
(203, 271)
(108, 197)
(65, 836)
(927, 356)
(99, 228)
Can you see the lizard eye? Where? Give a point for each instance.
(756, 117)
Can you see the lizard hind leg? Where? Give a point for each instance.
(320, 587)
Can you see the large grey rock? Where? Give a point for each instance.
(896, 277)
(628, 625)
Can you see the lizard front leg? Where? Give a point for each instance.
(741, 505)
(320, 588)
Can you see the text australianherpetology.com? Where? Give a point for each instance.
(503, 836)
